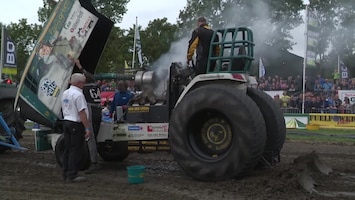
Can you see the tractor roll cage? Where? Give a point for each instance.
(236, 50)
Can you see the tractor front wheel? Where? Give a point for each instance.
(113, 151)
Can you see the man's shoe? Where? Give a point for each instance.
(76, 179)
(94, 167)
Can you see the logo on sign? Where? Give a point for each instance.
(50, 88)
(163, 128)
(10, 53)
(86, 27)
(134, 128)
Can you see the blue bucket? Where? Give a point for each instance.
(135, 174)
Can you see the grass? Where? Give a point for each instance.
(322, 135)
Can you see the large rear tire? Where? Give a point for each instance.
(275, 125)
(59, 154)
(113, 151)
(216, 133)
(13, 120)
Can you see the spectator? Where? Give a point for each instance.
(292, 102)
(292, 88)
(336, 76)
(327, 86)
(298, 83)
(318, 88)
(284, 99)
(307, 104)
(338, 102)
(321, 80)
(277, 100)
(316, 105)
(346, 106)
(121, 98)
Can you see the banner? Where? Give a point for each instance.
(74, 29)
(8, 54)
(347, 93)
(312, 38)
(261, 68)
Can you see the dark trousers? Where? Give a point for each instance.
(95, 119)
(201, 66)
(96, 114)
(74, 139)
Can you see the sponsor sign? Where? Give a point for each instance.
(140, 131)
(154, 128)
(135, 128)
(333, 120)
(51, 63)
(138, 109)
(347, 93)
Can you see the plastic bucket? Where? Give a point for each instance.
(135, 174)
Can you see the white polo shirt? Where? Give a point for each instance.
(73, 101)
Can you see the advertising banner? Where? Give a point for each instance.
(347, 93)
(130, 132)
(8, 54)
(67, 34)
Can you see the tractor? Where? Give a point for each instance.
(218, 125)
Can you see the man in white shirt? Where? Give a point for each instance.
(76, 127)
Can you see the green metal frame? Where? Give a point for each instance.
(230, 58)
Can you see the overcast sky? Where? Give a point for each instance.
(13, 10)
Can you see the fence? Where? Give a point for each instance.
(319, 110)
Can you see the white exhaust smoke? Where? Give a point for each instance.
(177, 53)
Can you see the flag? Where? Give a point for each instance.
(312, 38)
(343, 70)
(139, 47)
(261, 68)
(8, 54)
(126, 65)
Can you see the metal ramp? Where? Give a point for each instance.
(9, 140)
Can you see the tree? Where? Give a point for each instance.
(336, 32)
(116, 51)
(109, 8)
(270, 20)
(157, 38)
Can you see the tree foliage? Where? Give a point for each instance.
(337, 33)
(270, 19)
(157, 37)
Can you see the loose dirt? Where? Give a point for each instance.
(34, 174)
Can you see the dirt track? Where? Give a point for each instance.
(35, 175)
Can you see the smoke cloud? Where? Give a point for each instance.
(177, 53)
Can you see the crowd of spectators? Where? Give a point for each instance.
(106, 85)
(321, 94)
